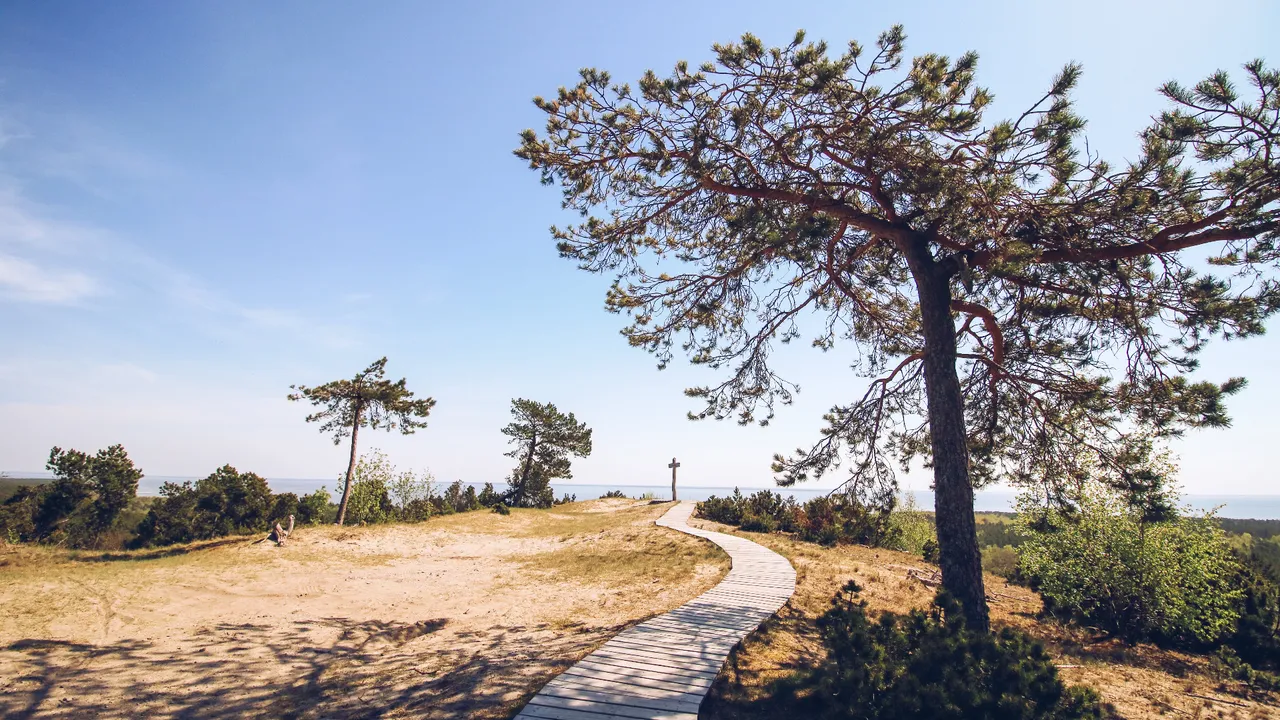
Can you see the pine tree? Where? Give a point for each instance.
(544, 439)
(1013, 297)
(367, 400)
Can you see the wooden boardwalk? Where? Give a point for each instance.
(662, 668)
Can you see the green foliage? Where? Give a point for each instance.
(369, 501)
(1000, 560)
(501, 509)
(1229, 666)
(227, 502)
(79, 506)
(824, 520)
(566, 499)
(544, 439)
(1256, 637)
(998, 534)
(1065, 297)
(489, 497)
(316, 508)
(911, 527)
(930, 552)
(367, 400)
(411, 490)
(929, 665)
(613, 494)
(1106, 565)
(1257, 529)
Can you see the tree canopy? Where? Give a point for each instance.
(367, 400)
(544, 440)
(80, 505)
(1024, 310)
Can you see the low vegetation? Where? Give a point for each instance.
(91, 503)
(825, 520)
(774, 672)
(1098, 563)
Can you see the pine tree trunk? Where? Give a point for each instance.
(959, 556)
(351, 468)
(524, 474)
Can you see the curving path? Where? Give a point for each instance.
(662, 668)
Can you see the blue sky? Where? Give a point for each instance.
(202, 203)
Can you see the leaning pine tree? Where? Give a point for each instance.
(1012, 297)
(544, 438)
(367, 400)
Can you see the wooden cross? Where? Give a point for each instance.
(673, 465)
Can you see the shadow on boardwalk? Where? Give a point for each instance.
(369, 670)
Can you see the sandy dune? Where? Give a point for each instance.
(463, 616)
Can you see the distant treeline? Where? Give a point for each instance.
(92, 503)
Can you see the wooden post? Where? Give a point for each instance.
(673, 467)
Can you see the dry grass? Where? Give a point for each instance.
(462, 616)
(1141, 682)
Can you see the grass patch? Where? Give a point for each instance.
(616, 558)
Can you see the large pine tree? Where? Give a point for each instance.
(1024, 309)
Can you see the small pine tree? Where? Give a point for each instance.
(544, 438)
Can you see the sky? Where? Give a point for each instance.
(204, 203)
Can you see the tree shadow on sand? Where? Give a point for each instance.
(367, 669)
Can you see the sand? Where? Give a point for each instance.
(462, 616)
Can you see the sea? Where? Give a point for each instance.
(1256, 507)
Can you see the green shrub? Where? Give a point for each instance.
(759, 523)
(407, 488)
(726, 510)
(825, 520)
(79, 506)
(1002, 561)
(566, 499)
(1256, 637)
(316, 508)
(418, 510)
(489, 497)
(929, 665)
(613, 494)
(931, 553)
(912, 527)
(227, 502)
(502, 509)
(369, 501)
(1106, 565)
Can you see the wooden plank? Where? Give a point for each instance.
(662, 668)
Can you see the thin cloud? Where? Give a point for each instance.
(27, 282)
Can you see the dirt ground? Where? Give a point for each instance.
(1140, 682)
(462, 616)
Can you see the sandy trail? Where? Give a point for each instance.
(463, 616)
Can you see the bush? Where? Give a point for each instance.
(824, 520)
(79, 506)
(1104, 564)
(931, 553)
(228, 502)
(502, 509)
(566, 499)
(1256, 638)
(759, 523)
(929, 665)
(369, 501)
(911, 527)
(316, 508)
(489, 497)
(407, 488)
(1002, 561)
(613, 494)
